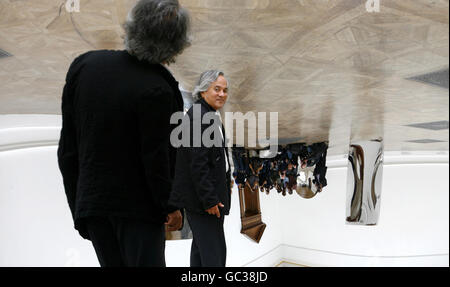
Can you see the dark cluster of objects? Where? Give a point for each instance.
(282, 171)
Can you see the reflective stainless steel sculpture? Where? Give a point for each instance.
(364, 179)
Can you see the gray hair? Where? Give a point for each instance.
(157, 30)
(206, 79)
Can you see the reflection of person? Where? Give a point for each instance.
(315, 156)
(240, 170)
(311, 155)
(114, 152)
(320, 171)
(202, 178)
(306, 174)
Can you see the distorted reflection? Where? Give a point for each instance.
(364, 179)
(296, 167)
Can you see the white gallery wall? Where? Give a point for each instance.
(413, 230)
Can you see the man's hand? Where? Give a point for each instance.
(215, 209)
(174, 221)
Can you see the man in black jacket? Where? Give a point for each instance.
(114, 152)
(202, 174)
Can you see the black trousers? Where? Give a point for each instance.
(208, 245)
(124, 242)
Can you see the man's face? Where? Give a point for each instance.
(217, 93)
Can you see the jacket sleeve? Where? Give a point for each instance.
(201, 174)
(154, 109)
(68, 145)
(67, 148)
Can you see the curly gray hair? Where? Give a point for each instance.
(206, 79)
(157, 30)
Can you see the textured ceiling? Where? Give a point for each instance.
(333, 71)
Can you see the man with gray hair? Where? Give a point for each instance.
(114, 152)
(202, 183)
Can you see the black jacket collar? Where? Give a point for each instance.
(160, 68)
(205, 104)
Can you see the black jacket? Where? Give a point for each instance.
(201, 180)
(114, 152)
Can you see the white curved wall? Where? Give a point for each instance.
(413, 228)
(36, 225)
(412, 231)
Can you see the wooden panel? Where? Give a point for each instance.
(251, 221)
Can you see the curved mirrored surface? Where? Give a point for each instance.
(364, 179)
(295, 167)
